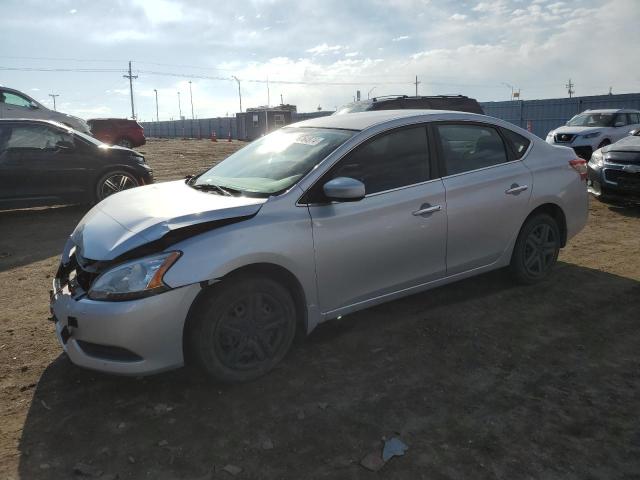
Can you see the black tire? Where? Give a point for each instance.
(536, 250)
(241, 328)
(124, 142)
(114, 181)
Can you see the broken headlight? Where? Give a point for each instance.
(136, 279)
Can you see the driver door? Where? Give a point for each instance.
(382, 244)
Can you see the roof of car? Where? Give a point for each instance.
(612, 110)
(35, 120)
(363, 120)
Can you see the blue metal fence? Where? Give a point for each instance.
(545, 115)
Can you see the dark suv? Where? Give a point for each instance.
(458, 103)
(118, 131)
(45, 163)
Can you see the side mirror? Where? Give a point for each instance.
(619, 124)
(33, 105)
(344, 189)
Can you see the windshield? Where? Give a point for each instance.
(353, 108)
(275, 162)
(592, 120)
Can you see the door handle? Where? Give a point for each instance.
(426, 208)
(515, 189)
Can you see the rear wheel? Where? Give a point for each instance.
(242, 328)
(536, 250)
(114, 182)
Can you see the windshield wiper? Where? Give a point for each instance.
(209, 187)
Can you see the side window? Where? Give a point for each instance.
(621, 118)
(634, 118)
(518, 143)
(35, 137)
(15, 100)
(392, 160)
(470, 147)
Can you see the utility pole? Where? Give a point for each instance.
(179, 107)
(268, 96)
(191, 95)
(570, 88)
(54, 95)
(239, 91)
(417, 82)
(131, 77)
(281, 100)
(157, 115)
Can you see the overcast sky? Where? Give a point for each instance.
(334, 47)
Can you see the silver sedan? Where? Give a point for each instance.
(312, 222)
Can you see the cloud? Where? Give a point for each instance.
(458, 16)
(401, 38)
(324, 48)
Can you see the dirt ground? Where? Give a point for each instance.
(481, 379)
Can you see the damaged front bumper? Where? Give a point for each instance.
(136, 337)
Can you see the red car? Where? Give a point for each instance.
(118, 131)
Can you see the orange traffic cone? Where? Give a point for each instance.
(213, 136)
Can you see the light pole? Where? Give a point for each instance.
(509, 86)
(54, 95)
(179, 107)
(239, 91)
(191, 96)
(157, 115)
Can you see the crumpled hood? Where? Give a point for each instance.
(134, 217)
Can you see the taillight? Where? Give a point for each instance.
(580, 166)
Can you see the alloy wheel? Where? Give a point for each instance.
(116, 183)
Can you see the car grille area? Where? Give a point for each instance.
(623, 158)
(626, 180)
(79, 274)
(563, 137)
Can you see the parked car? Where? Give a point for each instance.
(44, 162)
(311, 222)
(614, 171)
(594, 129)
(16, 104)
(118, 131)
(457, 103)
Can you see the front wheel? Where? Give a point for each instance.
(536, 250)
(124, 142)
(114, 182)
(242, 328)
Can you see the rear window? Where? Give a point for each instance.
(517, 142)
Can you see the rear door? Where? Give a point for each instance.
(382, 243)
(487, 193)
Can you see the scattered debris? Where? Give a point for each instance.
(161, 408)
(44, 404)
(372, 461)
(121, 425)
(131, 459)
(267, 444)
(323, 405)
(44, 466)
(82, 469)
(394, 447)
(232, 469)
(163, 443)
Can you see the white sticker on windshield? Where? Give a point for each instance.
(308, 140)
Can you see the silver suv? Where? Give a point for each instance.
(312, 222)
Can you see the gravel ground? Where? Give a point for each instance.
(481, 379)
